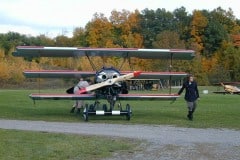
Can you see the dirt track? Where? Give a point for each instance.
(160, 141)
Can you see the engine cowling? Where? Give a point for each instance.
(109, 73)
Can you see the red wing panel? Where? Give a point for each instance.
(35, 51)
(92, 96)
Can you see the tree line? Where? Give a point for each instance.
(214, 35)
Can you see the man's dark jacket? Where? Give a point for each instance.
(191, 94)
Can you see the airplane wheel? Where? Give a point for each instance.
(105, 107)
(129, 112)
(85, 113)
(91, 107)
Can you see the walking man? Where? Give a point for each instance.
(191, 95)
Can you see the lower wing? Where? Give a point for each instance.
(93, 96)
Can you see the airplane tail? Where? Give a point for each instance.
(222, 84)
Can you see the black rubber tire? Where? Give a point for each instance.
(129, 112)
(85, 114)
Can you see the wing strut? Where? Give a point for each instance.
(126, 58)
(91, 63)
(130, 64)
(39, 57)
(170, 70)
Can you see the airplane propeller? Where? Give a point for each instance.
(109, 82)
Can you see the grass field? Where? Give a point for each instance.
(25, 145)
(214, 111)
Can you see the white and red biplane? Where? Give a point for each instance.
(108, 81)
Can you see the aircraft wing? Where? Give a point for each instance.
(58, 74)
(93, 96)
(227, 83)
(159, 75)
(148, 96)
(40, 51)
(85, 74)
(224, 92)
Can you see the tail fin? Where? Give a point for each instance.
(222, 84)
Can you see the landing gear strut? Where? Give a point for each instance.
(94, 109)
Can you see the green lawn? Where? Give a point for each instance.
(214, 111)
(26, 145)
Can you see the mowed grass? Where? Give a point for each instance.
(214, 111)
(26, 145)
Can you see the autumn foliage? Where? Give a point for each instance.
(214, 35)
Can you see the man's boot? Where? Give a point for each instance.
(72, 110)
(190, 115)
(193, 110)
(78, 111)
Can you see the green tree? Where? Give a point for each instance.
(168, 39)
(214, 35)
(226, 18)
(63, 41)
(9, 41)
(230, 60)
(154, 22)
(182, 20)
(79, 37)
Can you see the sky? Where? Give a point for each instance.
(60, 17)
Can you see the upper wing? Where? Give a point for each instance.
(93, 96)
(38, 51)
(84, 74)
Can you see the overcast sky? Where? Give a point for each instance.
(56, 17)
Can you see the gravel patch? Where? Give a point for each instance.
(159, 141)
